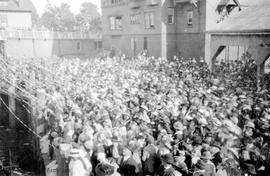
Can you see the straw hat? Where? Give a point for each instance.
(178, 126)
(76, 153)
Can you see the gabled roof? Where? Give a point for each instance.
(254, 16)
(17, 5)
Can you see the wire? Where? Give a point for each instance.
(17, 118)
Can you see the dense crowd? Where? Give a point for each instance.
(148, 116)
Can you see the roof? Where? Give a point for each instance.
(252, 17)
(17, 5)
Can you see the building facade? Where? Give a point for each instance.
(18, 39)
(162, 27)
(16, 14)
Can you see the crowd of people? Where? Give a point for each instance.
(149, 116)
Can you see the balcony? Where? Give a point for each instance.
(135, 4)
(152, 2)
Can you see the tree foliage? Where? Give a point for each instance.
(58, 18)
(89, 18)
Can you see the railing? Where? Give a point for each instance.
(34, 34)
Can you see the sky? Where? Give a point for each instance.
(74, 4)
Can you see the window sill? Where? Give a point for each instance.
(150, 28)
(116, 30)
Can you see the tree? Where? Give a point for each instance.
(35, 19)
(88, 19)
(58, 18)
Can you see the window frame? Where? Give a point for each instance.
(145, 43)
(171, 22)
(3, 23)
(150, 19)
(79, 45)
(134, 18)
(117, 24)
(190, 15)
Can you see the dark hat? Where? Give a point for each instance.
(197, 140)
(250, 168)
(216, 144)
(116, 139)
(168, 158)
(103, 169)
(209, 134)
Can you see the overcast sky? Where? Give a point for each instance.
(74, 4)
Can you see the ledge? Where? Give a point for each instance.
(38, 34)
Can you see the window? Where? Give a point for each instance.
(111, 2)
(133, 45)
(190, 18)
(96, 45)
(3, 20)
(99, 44)
(116, 23)
(135, 18)
(79, 45)
(170, 19)
(145, 43)
(149, 20)
(3, 3)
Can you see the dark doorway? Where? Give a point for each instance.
(145, 43)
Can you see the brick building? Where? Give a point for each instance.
(163, 27)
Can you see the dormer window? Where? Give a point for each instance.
(227, 6)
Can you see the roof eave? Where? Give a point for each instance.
(3, 10)
(239, 32)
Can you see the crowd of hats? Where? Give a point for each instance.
(188, 114)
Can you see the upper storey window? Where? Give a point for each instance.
(190, 18)
(149, 20)
(112, 2)
(116, 23)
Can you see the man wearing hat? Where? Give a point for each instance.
(79, 165)
(166, 168)
(150, 157)
(250, 169)
(210, 169)
(180, 164)
(128, 166)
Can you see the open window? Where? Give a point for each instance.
(190, 18)
(149, 20)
